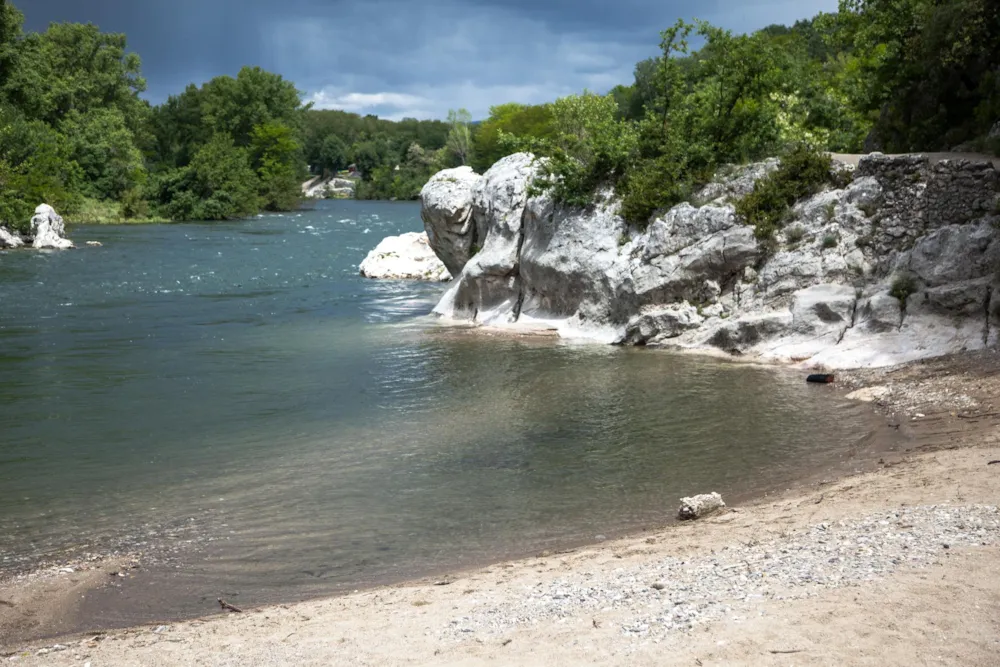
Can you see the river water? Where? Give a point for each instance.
(236, 399)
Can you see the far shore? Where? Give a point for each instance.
(887, 566)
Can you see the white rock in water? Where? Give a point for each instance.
(699, 506)
(405, 257)
(9, 240)
(48, 229)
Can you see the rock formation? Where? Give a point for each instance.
(446, 207)
(9, 239)
(901, 264)
(48, 229)
(329, 188)
(405, 257)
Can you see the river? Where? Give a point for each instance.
(234, 400)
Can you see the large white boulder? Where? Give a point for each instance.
(404, 257)
(48, 229)
(446, 209)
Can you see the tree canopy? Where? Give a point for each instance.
(894, 75)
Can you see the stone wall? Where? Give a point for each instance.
(919, 196)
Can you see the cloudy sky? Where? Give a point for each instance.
(399, 58)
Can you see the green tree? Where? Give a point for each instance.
(460, 136)
(74, 67)
(219, 184)
(517, 120)
(333, 155)
(104, 148)
(927, 68)
(277, 157)
(255, 97)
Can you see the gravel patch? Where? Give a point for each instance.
(672, 595)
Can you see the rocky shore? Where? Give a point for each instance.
(901, 264)
(47, 232)
(888, 566)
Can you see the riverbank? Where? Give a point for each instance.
(804, 577)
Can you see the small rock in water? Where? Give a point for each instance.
(696, 507)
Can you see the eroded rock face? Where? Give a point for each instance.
(405, 257)
(446, 209)
(48, 229)
(823, 293)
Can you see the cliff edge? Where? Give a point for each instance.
(901, 264)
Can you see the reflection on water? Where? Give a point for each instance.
(317, 431)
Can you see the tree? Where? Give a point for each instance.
(276, 155)
(104, 148)
(11, 20)
(514, 120)
(255, 97)
(927, 68)
(332, 155)
(460, 136)
(74, 67)
(219, 184)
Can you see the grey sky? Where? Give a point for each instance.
(401, 58)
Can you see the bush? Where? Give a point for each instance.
(795, 234)
(903, 285)
(802, 173)
(591, 148)
(830, 241)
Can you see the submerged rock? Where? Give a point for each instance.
(405, 257)
(48, 229)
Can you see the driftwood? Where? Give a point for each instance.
(228, 607)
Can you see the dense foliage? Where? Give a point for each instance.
(801, 174)
(392, 159)
(897, 75)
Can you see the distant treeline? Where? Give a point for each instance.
(896, 75)
(74, 133)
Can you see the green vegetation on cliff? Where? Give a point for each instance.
(894, 75)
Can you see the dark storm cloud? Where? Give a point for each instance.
(403, 58)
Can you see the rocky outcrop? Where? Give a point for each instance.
(446, 208)
(405, 257)
(903, 263)
(329, 188)
(9, 239)
(48, 229)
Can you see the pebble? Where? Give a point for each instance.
(731, 581)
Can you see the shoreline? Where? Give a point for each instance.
(955, 397)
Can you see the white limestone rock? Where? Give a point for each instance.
(48, 229)
(405, 257)
(9, 239)
(446, 209)
(697, 278)
(659, 324)
(696, 507)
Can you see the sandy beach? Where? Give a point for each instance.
(898, 564)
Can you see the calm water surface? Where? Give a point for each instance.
(235, 398)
